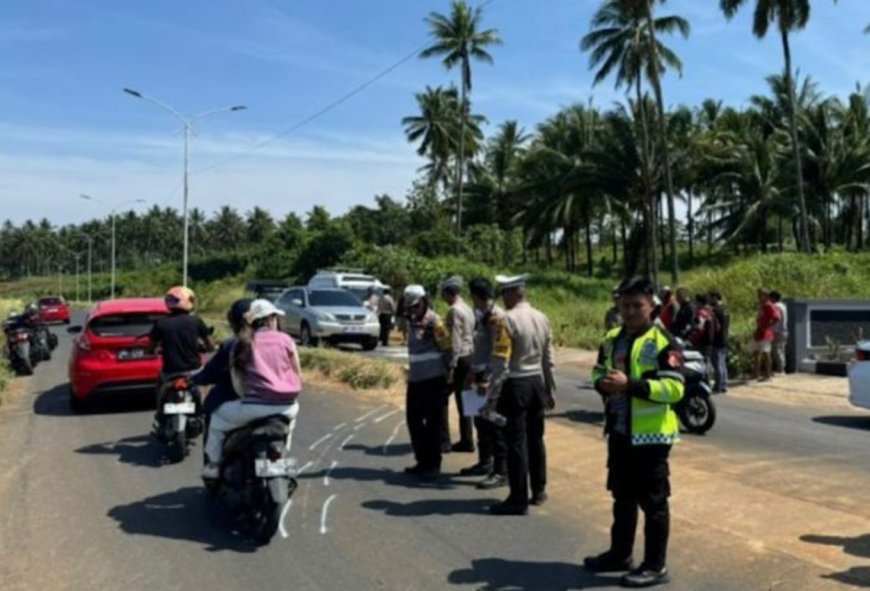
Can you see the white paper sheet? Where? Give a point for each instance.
(472, 402)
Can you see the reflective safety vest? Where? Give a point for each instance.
(429, 350)
(656, 382)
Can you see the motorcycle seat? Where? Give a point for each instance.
(270, 427)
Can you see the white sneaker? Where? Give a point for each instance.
(210, 471)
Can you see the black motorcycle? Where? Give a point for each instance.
(26, 344)
(256, 476)
(179, 415)
(696, 410)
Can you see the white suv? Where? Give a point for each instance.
(352, 280)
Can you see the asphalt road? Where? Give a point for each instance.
(89, 504)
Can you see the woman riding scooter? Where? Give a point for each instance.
(265, 371)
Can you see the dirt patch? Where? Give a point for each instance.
(13, 392)
(797, 389)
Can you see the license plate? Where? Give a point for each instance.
(179, 408)
(270, 468)
(131, 354)
(354, 329)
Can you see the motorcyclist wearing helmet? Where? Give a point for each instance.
(180, 335)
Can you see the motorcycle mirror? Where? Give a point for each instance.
(74, 329)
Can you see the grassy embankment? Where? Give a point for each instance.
(576, 305)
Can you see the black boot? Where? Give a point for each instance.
(607, 563)
(644, 576)
(494, 480)
(481, 468)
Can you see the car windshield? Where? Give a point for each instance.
(361, 293)
(333, 298)
(50, 302)
(124, 325)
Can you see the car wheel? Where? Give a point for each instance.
(306, 338)
(370, 345)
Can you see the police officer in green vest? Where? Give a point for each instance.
(639, 375)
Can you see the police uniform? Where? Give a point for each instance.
(641, 427)
(522, 384)
(492, 451)
(429, 357)
(460, 324)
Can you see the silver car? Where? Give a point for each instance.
(335, 316)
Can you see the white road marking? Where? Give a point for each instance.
(324, 512)
(304, 468)
(328, 472)
(393, 436)
(286, 510)
(319, 441)
(371, 412)
(345, 442)
(339, 426)
(360, 426)
(388, 415)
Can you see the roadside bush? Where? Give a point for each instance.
(356, 371)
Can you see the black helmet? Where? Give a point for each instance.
(236, 313)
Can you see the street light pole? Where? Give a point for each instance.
(113, 213)
(78, 293)
(187, 127)
(90, 260)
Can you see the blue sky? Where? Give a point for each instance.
(66, 128)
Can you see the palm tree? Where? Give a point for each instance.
(789, 16)
(437, 128)
(458, 40)
(624, 40)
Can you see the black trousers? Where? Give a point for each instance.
(638, 476)
(386, 321)
(522, 404)
(491, 446)
(423, 404)
(466, 424)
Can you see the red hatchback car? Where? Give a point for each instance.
(110, 352)
(53, 309)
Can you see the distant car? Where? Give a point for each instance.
(267, 290)
(53, 309)
(110, 352)
(332, 315)
(352, 280)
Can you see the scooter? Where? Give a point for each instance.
(256, 476)
(696, 410)
(179, 415)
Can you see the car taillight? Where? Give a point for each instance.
(87, 350)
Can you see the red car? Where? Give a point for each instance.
(110, 352)
(53, 309)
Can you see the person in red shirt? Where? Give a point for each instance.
(669, 307)
(703, 327)
(768, 316)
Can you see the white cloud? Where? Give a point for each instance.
(42, 178)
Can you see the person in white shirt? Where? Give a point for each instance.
(780, 330)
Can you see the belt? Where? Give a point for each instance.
(425, 357)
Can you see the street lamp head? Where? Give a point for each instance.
(132, 92)
(238, 108)
(88, 197)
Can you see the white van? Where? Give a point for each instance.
(353, 280)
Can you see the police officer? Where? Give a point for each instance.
(460, 324)
(639, 376)
(429, 357)
(522, 387)
(492, 451)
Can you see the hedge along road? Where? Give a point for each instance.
(87, 504)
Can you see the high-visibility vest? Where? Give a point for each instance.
(655, 365)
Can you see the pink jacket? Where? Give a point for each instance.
(271, 376)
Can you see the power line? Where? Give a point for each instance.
(327, 108)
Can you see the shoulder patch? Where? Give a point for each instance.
(675, 359)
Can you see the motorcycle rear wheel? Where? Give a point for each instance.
(698, 414)
(177, 447)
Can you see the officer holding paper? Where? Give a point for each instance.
(522, 387)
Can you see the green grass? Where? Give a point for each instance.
(360, 373)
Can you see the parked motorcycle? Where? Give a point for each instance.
(20, 350)
(179, 415)
(257, 476)
(696, 410)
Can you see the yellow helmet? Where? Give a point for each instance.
(180, 298)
